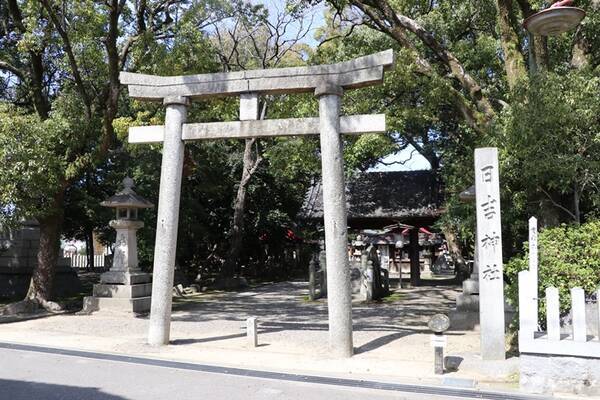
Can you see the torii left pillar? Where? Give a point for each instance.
(167, 221)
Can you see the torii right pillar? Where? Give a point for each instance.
(339, 295)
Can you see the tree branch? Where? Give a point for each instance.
(12, 69)
(395, 25)
(70, 55)
(558, 205)
(36, 66)
(412, 153)
(526, 8)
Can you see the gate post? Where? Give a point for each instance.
(167, 221)
(339, 296)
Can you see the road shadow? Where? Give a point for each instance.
(25, 390)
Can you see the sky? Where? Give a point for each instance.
(417, 162)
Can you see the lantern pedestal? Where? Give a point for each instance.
(125, 269)
(123, 288)
(125, 278)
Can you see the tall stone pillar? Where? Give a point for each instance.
(489, 254)
(167, 221)
(339, 296)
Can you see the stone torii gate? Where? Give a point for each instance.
(328, 83)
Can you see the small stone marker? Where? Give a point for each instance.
(251, 332)
(439, 323)
(489, 253)
(533, 257)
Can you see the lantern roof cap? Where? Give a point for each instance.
(127, 198)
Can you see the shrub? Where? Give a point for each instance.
(569, 256)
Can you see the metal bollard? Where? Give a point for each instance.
(439, 323)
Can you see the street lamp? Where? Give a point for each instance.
(551, 22)
(554, 21)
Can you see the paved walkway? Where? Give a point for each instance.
(390, 338)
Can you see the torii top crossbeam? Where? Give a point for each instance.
(359, 72)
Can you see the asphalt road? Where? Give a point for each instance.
(45, 375)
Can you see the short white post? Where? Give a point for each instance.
(578, 314)
(167, 221)
(598, 311)
(251, 332)
(552, 314)
(533, 257)
(339, 295)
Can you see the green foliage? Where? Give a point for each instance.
(546, 129)
(550, 142)
(569, 256)
(34, 155)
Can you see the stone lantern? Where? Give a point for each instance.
(468, 300)
(124, 287)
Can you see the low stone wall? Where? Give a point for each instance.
(18, 258)
(548, 374)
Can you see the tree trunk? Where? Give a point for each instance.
(36, 65)
(514, 64)
(582, 45)
(89, 243)
(250, 164)
(42, 279)
(455, 250)
(540, 48)
(576, 207)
